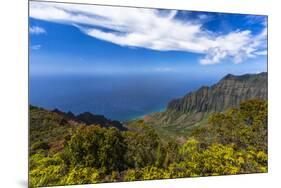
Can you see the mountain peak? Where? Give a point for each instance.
(244, 76)
(228, 92)
(228, 76)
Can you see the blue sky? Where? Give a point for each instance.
(90, 39)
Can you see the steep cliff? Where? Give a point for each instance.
(228, 92)
(194, 107)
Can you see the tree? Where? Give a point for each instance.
(93, 146)
(244, 126)
(144, 147)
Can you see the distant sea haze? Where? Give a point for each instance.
(118, 97)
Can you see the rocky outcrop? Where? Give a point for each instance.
(88, 118)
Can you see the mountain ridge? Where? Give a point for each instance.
(194, 107)
(85, 118)
(242, 87)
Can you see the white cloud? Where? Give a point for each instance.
(36, 47)
(153, 29)
(236, 45)
(261, 52)
(36, 30)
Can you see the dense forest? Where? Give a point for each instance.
(64, 152)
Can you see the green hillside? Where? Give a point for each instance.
(63, 151)
(193, 110)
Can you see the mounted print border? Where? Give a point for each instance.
(129, 94)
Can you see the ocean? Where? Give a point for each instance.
(117, 97)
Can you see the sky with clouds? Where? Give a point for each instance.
(76, 38)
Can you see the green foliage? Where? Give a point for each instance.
(38, 146)
(244, 127)
(233, 142)
(144, 147)
(82, 175)
(217, 159)
(48, 131)
(150, 173)
(46, 171)
(93, 146)
(132, 175)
